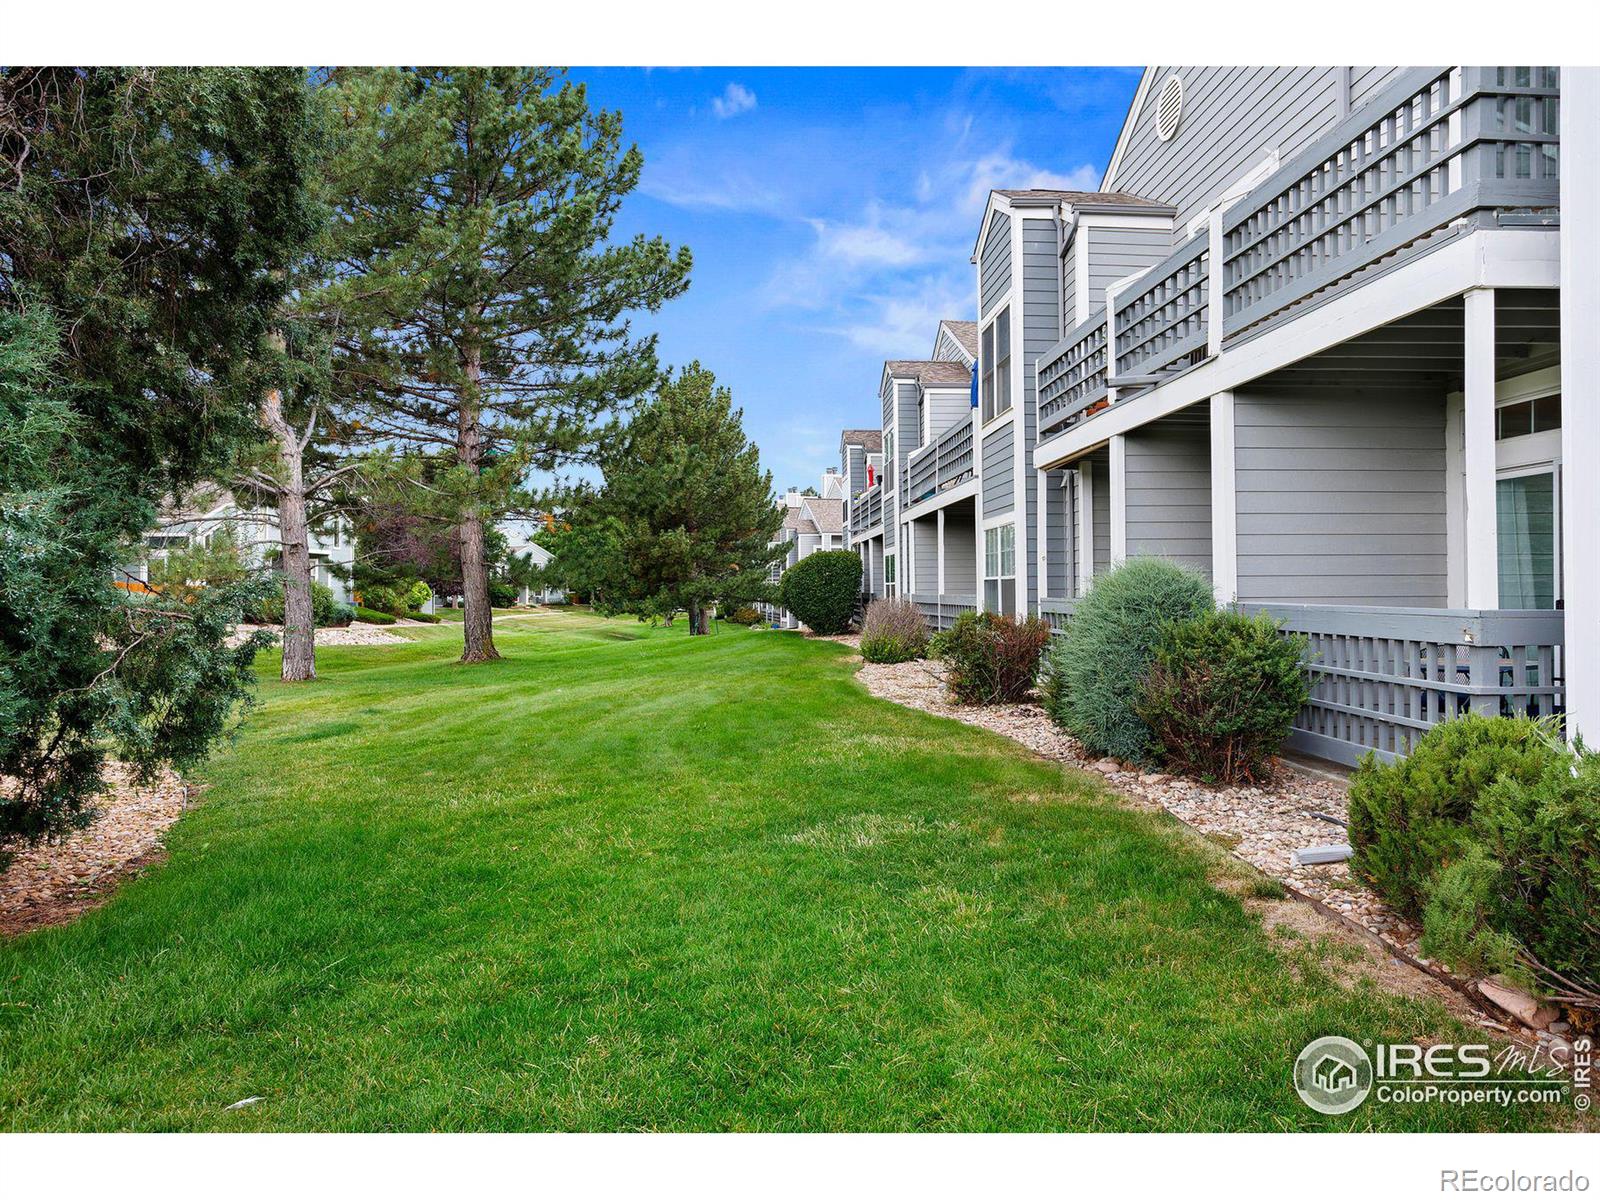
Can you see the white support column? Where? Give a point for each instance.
(1224, 502)
(1085, 526)
(1043, 480)
(1580, 385)
(1478, 457)
(1455, 502)
(939, 552)
(1119, 499)
(1214, 290)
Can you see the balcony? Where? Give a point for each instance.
(943, 463)
(1442, 152)
(941, 611)
(866, 510)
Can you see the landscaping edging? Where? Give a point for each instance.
(1259, 825)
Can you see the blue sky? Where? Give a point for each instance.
(832, 212)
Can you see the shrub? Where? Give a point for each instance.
(1493, 838)
(1412, 817)
(323, 606)
(418, 594)
(503, 594)
(380, 597)
(991, 658)
(342, 615)
(744, 615)
(417, 614)
(1097, 670)
(893, 631)
(820, 590)
(373, 617)
(1221, 693)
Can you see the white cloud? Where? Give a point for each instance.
(900, 323)
(735, 99)
(999, 170)
(864, 244)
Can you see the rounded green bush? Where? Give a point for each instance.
(373, 617)
(1221, 694)
(324, 608)
(820, 590)
(1411, 817)
(1097, 669)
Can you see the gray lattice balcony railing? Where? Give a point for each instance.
(941, 611)
(1382, 677)
(1072, 375)
(1162, 321)
(1440, 152)
(943, 463)
(866, 510)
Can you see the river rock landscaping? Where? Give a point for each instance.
(1262, 825)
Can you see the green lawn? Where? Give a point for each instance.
(627, 879)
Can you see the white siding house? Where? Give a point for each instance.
(208, 511)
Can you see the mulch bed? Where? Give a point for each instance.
(54, 882)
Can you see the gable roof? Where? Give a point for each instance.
(826, 513)
(965, 333)
(1088, 200)
(870, 440)
(1128, 122)
(928, 373)
(1001, 200)
(796, 520)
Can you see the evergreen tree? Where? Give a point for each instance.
(689, 506)
(498, 298)
(147, 219)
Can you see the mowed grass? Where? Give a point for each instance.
(626, 879)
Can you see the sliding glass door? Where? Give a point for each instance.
(1528, 518)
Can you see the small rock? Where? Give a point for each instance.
(1154, 777)
(1560, 1027)
(1107, 766)
(1518, 1003)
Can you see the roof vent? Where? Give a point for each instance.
(1169, 109)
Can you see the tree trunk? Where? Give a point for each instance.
(299, 626)
(477, 617)
(699, 618)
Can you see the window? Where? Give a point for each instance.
(888, 571)
(1526, 515)
(1527, 416)
(888, 457)
(1000, 569)
(996, 354)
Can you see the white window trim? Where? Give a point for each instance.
(1552, 469)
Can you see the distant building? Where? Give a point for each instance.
(810, 523)
(208, 510)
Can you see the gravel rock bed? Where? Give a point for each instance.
(1261, 825)
(55, 881)
(357, 633)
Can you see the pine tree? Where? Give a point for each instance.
(691, 510)
(500, 301)
(147, 220)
